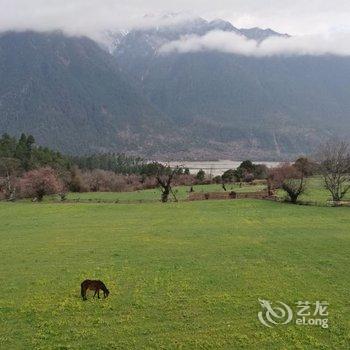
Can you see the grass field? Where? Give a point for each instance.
(153, 195)
(315, 193)
(182, 275)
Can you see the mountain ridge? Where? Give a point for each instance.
(71, 94)
(267, 106)
(74, 96)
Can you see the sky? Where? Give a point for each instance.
(321, 23)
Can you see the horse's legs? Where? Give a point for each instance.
(98, 294)
(95, 293)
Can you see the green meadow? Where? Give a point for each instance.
(315, 193)
(184, 275)
(153, 195)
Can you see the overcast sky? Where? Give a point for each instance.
(311, 18)
(292, 16)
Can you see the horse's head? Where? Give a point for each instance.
(106, 293)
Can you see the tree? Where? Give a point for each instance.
(7, 146)
(9, 169)
(229, 176)
(165, 176)
(245, 171)
(118, 163)
(288, 178)
(200, 175)
(31, 156)
(248, 177)
(334, 162)
(24, 150)
(306, 166)
(260, 171)
(76, 183)
(38, 183)
(248, 166)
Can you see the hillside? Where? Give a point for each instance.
(71, 95)
(273, 107)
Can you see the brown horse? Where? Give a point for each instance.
(93, 285)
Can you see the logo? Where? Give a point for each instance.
(281, 314)
(306, 314)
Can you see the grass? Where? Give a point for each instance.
(183, 275)
(153, 195)
(315, 193)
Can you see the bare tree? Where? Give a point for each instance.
(334, 162)
(9, 169)
(305, 166)
(288, 178)
(165, 176)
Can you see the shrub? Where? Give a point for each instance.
(184, 180)
(38, 183)
(261, 171)
(248, 177)
(76, 182)
(218, 179)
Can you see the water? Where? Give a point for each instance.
(214, 168)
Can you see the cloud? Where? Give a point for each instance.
(227, 42)
(93, 18)
(90, 17)
(318, 26)
(80, 17)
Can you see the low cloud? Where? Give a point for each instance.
(95, 17)
(334, 44)
(91, 18)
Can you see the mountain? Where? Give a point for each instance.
(71, 95)
(260, 35)
(236, 106)
(78, 96)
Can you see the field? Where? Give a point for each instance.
(315, 193)
(184, 275)
(153, 195)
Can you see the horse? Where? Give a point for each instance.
(93, 285)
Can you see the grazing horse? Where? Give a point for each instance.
(93, 285)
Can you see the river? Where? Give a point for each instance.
(214, 168)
